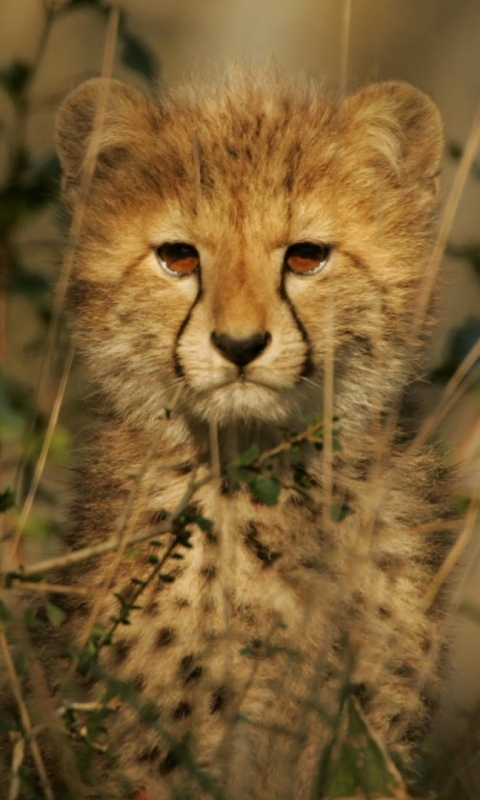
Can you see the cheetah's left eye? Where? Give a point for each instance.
(177, 258)
(307, 258)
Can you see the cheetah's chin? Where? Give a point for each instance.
(244, 401)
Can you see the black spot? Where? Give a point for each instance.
(209, 572)
(218, 700)
(319, 565)
(182, 711)
(395, 721)
(405, 671)
(363, 344)
(389, 562)
(364, 468)
(186, 663)
(139, 682)
(426, 644)
(169, 763)
(358, 598)
(211, 536)
(149, 754)
(384, 612)
(414, 734)
(182, 602)
(128, 592)
(184, 469)
(232, 151)
(258, 548)
(121, 650)
(194, 675)
(189, 671)
(165, 636)
(363, 694)
(152, 608)
(209, 605)
(158, 517)
(429, 702)
(225, 487)
(254, 647)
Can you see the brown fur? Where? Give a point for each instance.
(278, 609)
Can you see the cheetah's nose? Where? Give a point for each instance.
(241, 351)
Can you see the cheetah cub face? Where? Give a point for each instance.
(233, 242)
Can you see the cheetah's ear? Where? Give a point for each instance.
(396, 125)
(99, 116)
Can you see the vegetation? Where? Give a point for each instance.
(35, 441)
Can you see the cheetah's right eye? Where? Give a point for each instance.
(178, 258)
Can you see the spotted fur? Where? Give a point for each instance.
(276, 611)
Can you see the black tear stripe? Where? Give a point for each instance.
(178, 367)
(307, 367)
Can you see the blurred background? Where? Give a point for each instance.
(48, 47)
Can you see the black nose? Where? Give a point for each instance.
(241, 351)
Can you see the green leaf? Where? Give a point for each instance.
(99, 4)
(14, 77)
(7, 725)
(455, 150)
(137, 56)
(11, 421)
(7, 500)
(4, 612)
(203, 523)
(363, 768)
(265, 489)
(98, 631)
(30, 619)
(338, 511)
(248, 457)
(55, 614)
(26, 283)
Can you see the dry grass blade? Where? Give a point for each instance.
(454, 554)
(344, 45)
(55, 588)
(107, 67)
(25, 718)
(111, 544)
(125, 526)
(328, 389)
(446, 222)
(450, 396)
(40, 465)
(18, 756)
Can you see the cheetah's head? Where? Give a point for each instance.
(230, 244)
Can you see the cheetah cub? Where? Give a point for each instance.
(247, 271)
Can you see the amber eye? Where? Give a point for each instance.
(178, 258)
(307, 258)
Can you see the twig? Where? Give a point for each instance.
(54, 588)
(308, 435)
(111, 544)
